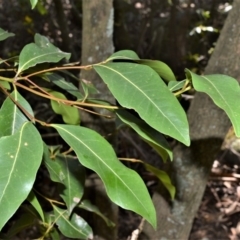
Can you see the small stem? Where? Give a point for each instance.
(67, 102)
(8, 70)
(182, 91)
(48, 199)
(57, 69)
(38, 87)
(6, 79)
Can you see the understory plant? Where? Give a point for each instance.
(146, 86)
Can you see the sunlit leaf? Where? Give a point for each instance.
(5, 34)
(140, 88)
(20, 158)
(76, 227)
(123, 55)
(39, 52)
(123, 185)
(33, 3)
(87, 205)
(69, 114)
(224, 91)
(161, 68)
(11, 117)
(148, 134)
(34, 202)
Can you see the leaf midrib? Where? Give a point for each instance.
(57, 126)
(32, 59)
(69, 223)
(14, 163)
(140, 90)
(229, 108)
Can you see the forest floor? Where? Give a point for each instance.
(219, 214)
(218, 217)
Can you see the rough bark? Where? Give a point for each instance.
(208, 126)
(97, 45)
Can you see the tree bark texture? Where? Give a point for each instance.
(97, 45)
(208, 126)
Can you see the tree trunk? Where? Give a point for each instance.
(208, 126)
(97, 45)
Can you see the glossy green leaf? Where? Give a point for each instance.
(123, 55)
(87, 205)
(161, 68)
(148, 134)
(35, 203)
(224, 91)
(5, 34)
(140, 88)
(76, 227)
(5, 85)
(25, 221)
(11, 117)
(69, 114)
(176, 85)
(20, 158)
(33, 3)
(123, 185)
(71, 174)
(62, 83)
(39, 52)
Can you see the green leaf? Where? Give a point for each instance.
(11, 117)
(39, 52)
(76, 227)
(140, 88)
(88, 88)
(164, 178)
(5, 84)
(5, 34)
(123, 185)
(33, 3)
(163, 70)
(34, 202)
(54, 234)
(87, 205)
(148, 134)
(224, 91)
(161, 175)
(63, 84)
(69, 114)
(71, 174)
(176, 85)
(20, 158)
(123, 55)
